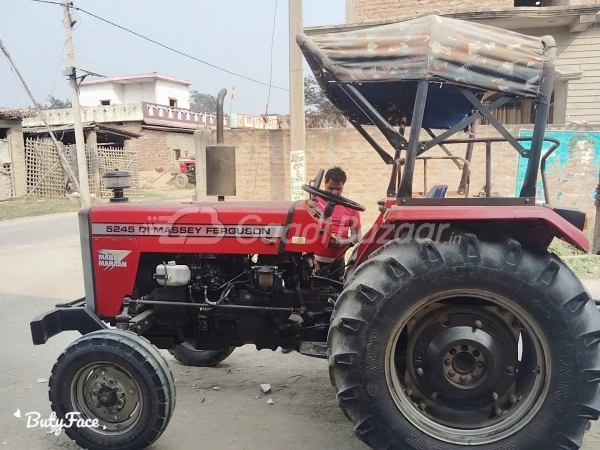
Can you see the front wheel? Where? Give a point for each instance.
(471, 343)
(181, 180)
(119, 380)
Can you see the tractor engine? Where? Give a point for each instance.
(215, 300)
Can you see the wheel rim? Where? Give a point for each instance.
(108, 393)
(467, 367)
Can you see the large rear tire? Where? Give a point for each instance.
(408, 310)
(119, 379)
(189, 356)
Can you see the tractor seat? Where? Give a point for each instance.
(437, 191)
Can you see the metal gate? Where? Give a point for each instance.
(104, 159)
(46, 177)
(6, 179)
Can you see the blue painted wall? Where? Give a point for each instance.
(575, 163)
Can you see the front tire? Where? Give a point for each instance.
(119, 379)
(394, 372)
(187, 355)
(181, 180)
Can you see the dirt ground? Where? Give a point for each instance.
(40, 266)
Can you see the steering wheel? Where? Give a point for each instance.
(332, 198)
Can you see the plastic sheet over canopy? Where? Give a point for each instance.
(385, 62)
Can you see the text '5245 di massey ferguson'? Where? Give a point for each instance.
(454, 327)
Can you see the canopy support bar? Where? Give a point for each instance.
(490, 117)
(541, 117)
(497, 103)
(395, 138)
(405, 188)
(444, 148)
(380, 151)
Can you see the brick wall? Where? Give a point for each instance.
(262, 160)
(156, 147)
(383, 10)
(368, 175)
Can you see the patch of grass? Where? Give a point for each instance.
(29, 207)
(165, 195)
(562, 249)
(584, 265)
(587, 267)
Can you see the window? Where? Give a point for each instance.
(177, 154)
(519, 112)
(105, 102)
(3, 133)
(172, 102)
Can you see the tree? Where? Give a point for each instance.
(55, 103)
(320, 112)
(203, 103)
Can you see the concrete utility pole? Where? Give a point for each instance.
(59, 148)
(351, 11)
(84, 189)
(297, 119)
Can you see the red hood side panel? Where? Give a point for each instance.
(115, 261)
(220, 227)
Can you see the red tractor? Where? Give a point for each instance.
(454, 326)
(187, 172)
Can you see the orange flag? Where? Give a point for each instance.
(233, 93)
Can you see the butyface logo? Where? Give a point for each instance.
(109, 259)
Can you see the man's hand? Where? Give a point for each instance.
(337, 242)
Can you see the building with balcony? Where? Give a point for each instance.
(148, 112)
(152, 107)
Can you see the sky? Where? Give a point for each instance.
(233, 34)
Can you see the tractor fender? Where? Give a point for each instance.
(537, 224)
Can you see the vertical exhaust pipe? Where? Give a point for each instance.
(220, 160)
(220, 118)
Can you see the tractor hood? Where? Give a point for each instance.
(181, 213)
(211, 227)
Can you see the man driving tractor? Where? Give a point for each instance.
(346, 230)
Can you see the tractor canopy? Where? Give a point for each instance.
(385, 63)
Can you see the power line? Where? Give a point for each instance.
(271, 71)
(191, 36)
(165, 46)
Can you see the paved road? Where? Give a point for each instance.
(40, 265)
(37, 230)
